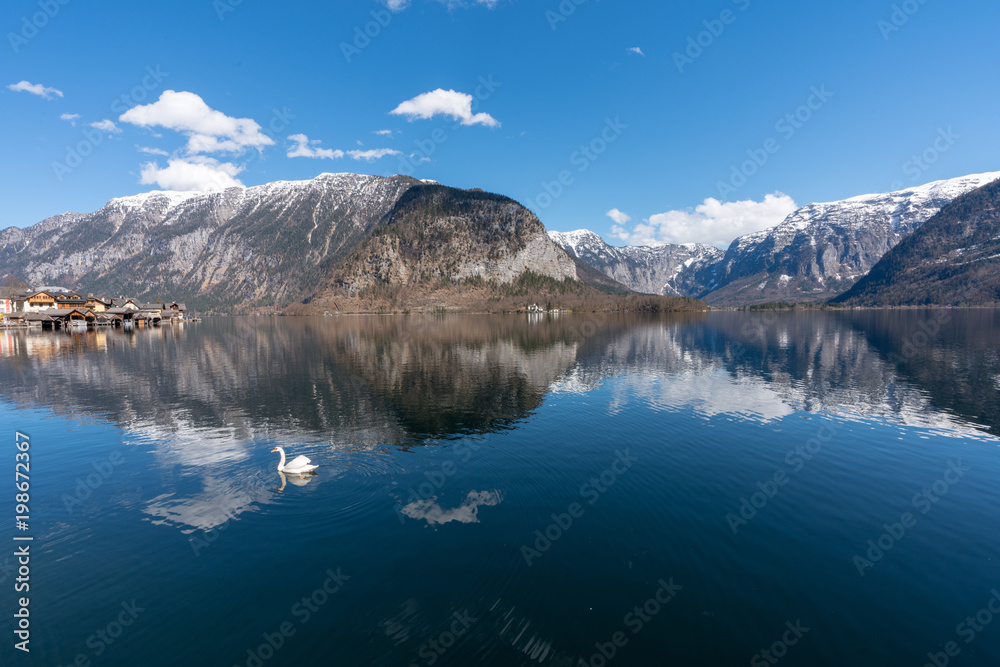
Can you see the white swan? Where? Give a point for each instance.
(298, 465)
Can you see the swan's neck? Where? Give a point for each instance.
(281, 464)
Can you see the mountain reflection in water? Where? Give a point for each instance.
(468, 469)
(410, 380)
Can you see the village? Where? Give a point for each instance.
(57, 308)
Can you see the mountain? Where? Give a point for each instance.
(436, 233)
(338, 240)
(815, 254)
(821, 250)
(671, 270)
(441, 247)
(953, 259)
(263, 246)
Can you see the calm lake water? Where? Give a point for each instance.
(553, 490)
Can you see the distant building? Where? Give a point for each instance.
(10, 300)
(98, 304)
(174, 310)
(38, 300)
(59, 306)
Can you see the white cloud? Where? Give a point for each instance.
(712, 222)
(636, 49)
(397, 5)
(35, 89)
(373, 154)
(153, 151)
(208, 130)
(71, 117)
(106, 126)
(305, 148)
(619, 217)
(383, 133)
(446, 102)
(194, 173)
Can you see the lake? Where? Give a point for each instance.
(726, 488)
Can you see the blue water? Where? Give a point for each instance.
(594, 490)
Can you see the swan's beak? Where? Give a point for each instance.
(274, 450)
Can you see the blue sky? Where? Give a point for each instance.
(643, 121)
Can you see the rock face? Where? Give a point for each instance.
(438, 234)
(262, 246)
(821, 250)
(276, 244)
(817, 253)
(671, 270)
(953, 259)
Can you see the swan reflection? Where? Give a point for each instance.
(298, 479)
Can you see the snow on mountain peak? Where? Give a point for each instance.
(171, 197)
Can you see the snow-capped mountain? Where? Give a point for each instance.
(953, 259)
(262, 245)
(667, 269)
(816, 253)
(281, 243)
(821, 250)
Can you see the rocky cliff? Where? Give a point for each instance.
(953, 259)
(672, 270)
(437, 234)
(821, 250)
(817, 253)
(263, 246)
